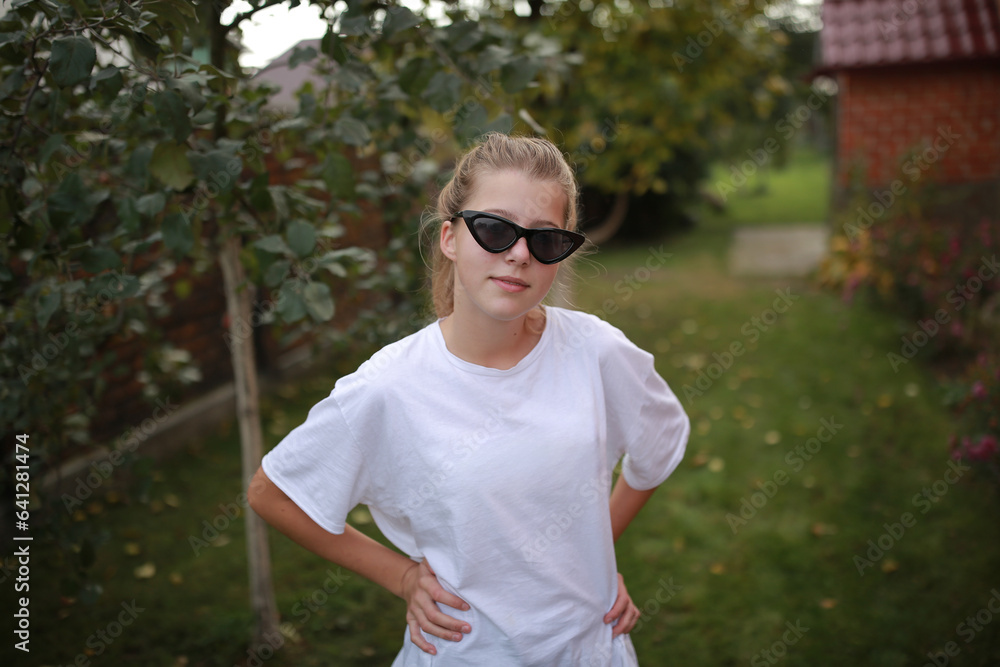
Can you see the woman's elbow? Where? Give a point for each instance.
(259, 489)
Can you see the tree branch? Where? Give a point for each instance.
(240, 18)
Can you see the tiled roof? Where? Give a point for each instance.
(867, 33)
(288, 79)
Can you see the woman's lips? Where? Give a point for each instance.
(510, 284)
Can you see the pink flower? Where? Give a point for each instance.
(983, 450)
(979, 390)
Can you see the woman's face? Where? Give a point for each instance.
(507, 285)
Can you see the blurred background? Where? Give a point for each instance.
(211, 211)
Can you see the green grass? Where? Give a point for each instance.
(797, 193)
(791, 562)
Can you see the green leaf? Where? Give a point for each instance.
(128, 213)
(492, 58)
(351, 77)
(389, 91)
(47, 305)
(461, 36)
(398, 19)
(171, 166)
(260, 195)
(72, 59)
(338, 174)
(218, 167)
(415, 75)
(319, 301)
(301, 55)
(172, 114)
(472, 122)
(352, 131)
(291, 307)
(502, 123)
(516, 75)
(12, 83)
(191, 92)
(273, 244)
(177, 234)
(137, 169)
(335, 47)
(51, 145)
(151, 204)
(95, 260)
(301, 237)
(68, 205)
(443, 91)
(108, 81)
(354, 25)
(276, 272)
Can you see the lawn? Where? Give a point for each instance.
(798, 193)
(815, 520)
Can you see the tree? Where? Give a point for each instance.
(657, 92)
(120, 148)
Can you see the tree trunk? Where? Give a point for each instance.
(238, 307)
(611, 224)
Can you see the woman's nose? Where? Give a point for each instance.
(519, 253)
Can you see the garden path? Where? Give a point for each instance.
(778, 250)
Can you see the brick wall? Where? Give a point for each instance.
(891, 115)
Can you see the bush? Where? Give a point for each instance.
(945, 276)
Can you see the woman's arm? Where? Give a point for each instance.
(625, 504)
(414, 582)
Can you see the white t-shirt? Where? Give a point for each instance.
(499, 478)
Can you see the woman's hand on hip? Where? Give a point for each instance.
(623, 613)
(423, 592)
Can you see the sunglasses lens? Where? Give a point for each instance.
(548, 246)
(495, 234)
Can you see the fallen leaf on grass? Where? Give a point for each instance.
(827, 603)
(172, 500)
(221, 541)
(889, 565)
(700, 459)
(176, 578)
(132, 548)
(822, 529)
(717, 568)
(146, 571)
(716, 464)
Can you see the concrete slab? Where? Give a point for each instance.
(778, 250)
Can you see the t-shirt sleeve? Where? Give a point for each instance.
(320, 466)
(645, 420)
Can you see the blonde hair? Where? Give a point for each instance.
(535, 157)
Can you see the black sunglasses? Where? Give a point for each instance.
(495, 234)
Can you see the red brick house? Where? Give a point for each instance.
(919, 93)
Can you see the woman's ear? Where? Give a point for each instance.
(448, 239)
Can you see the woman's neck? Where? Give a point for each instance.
(485, 341)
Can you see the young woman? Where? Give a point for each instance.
(484, 444)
